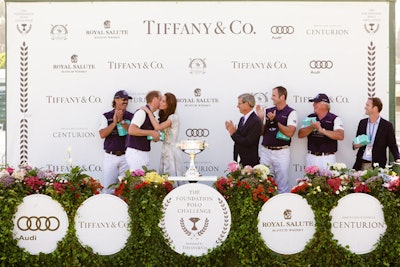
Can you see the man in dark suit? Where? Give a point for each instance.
(247, 134)
(381, 136)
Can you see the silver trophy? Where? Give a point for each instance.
(192, 147)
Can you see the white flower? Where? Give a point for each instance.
(338, 166)
(318, 188)
(19, 175)
(4, 173)
(262, 170)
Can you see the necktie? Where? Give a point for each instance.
(241, 122)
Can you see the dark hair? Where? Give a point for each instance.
(171, 107)
(376, 102)
(281, 91)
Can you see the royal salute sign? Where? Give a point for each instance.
(196, 219)
(39, 224)
(286, 223)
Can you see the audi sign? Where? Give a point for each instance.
(39, 224)
(197, 132)
(282, 29)
(321, 64)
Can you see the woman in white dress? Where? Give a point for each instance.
(171, 157)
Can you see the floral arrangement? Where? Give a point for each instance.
(256, 180)
(31, 180)
(138, 179)
(339, 180)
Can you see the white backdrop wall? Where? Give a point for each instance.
(66, 60)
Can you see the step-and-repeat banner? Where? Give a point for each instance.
(66, 60)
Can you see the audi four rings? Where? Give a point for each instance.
(321, 64)
(282, 29)
(197, 132)
(41, 223)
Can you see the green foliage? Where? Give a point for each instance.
(244, 246)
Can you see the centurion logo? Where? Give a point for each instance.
(327, 30)
(107, 32)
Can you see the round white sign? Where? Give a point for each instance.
(196, 218)
(286, 223)
(358, 222)
(39, 224)
(102, 223)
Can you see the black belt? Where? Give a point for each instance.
(276, 147)
(321, 153)
(365, 161)
(116, 153)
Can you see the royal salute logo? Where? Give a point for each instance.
(73, 66)
(107, 31)
(59, 32)
(197, 66)
(287, 214)
(198, 100)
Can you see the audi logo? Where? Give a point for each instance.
(197, 132)
(41, 223)
(282, 29)
(321, 64)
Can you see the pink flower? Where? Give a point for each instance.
(311, 170)
(10, 170)
(233, 166)
(247, 170)
(138, 172)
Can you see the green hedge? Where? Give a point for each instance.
(243, 246)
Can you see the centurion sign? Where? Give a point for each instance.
(65, 61)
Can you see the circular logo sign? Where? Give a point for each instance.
(102, 223)
(286, 223)
(39, 224)
(196, 218)
(358, 222)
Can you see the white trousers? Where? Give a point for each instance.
(279, 163)
(137, 158)
(113, 166)
(320, 161)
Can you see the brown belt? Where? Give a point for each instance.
(321, 153)
(116, 153)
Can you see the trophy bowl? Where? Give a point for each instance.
(192, 147)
